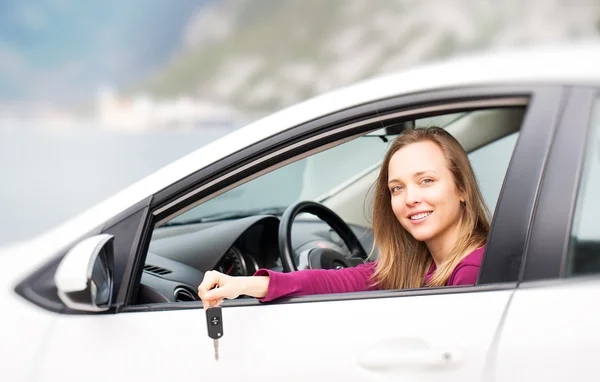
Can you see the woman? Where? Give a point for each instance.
(430, 224)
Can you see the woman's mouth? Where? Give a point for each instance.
(420, 216)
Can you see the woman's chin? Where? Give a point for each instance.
(421, 235)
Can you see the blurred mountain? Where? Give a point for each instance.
(245, 56)
(261, 55)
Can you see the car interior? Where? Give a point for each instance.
(240, 230)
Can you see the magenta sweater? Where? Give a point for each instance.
(356, 279)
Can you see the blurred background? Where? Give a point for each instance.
(95, 95)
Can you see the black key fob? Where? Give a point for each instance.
(214, 322)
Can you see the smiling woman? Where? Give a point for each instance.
(442, 214)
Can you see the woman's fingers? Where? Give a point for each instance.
(210, 280)
(211, 303)
(214, 288)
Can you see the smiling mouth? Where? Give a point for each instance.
(420, 216)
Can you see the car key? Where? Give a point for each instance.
(214, 323)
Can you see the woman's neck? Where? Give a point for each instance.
(440, 246)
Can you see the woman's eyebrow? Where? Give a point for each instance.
(419, 173)
(415, 175)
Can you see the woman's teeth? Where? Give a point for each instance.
(420, 216)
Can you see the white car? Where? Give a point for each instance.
(111, 294)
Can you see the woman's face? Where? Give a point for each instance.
(424, 196)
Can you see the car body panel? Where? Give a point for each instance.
(325, 340)
(24, 327)
(551, 333)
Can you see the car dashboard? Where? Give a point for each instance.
(178, 256)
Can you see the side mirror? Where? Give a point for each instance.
(84, 277)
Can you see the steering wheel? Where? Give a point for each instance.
(318, 258)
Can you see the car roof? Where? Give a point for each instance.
(553, 64)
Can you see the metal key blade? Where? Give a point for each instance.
(216, 345)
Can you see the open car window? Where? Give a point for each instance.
(236, 232)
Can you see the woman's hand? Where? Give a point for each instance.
(216, 286)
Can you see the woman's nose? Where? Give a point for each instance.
(412, 196)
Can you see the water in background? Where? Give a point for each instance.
(46, 177)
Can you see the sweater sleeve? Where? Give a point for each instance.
(318, 281)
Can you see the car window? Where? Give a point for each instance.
(584, 248)
(206, 236)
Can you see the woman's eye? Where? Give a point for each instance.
(396, 189)
(426, 181)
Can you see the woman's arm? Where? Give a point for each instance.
(267, 285)
(317, 281)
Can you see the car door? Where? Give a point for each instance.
(552, 328)
(427, 334)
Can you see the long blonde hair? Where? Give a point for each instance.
(403, 261)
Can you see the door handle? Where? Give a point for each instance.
(407, 353)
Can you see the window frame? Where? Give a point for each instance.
(133, 227)
(548, 243)
(534, 126)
